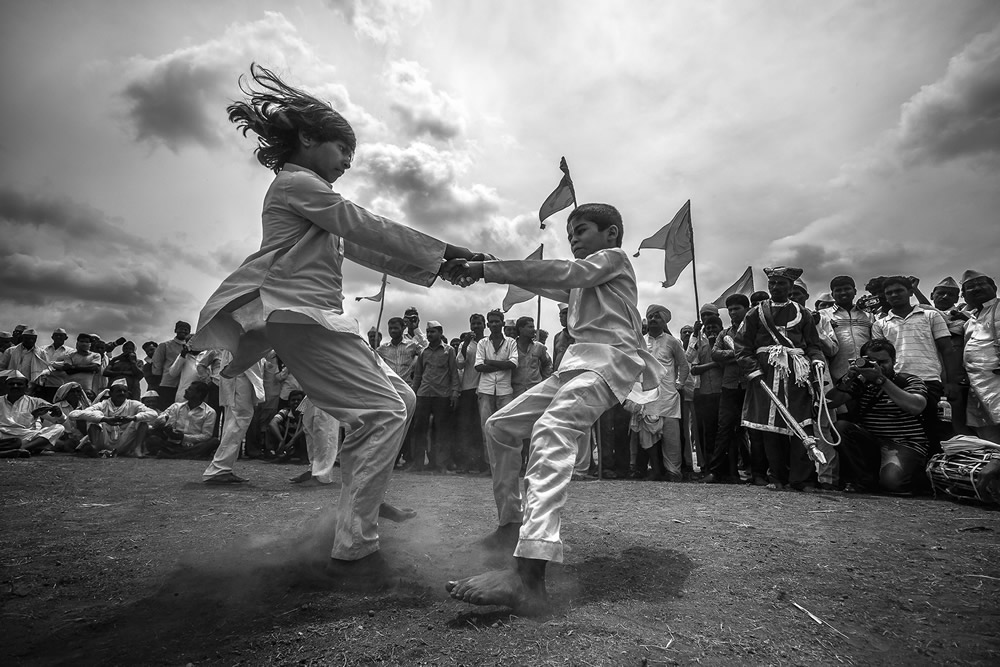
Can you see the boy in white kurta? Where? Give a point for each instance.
(289, 296)
(597, 372)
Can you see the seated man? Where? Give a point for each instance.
(117, 424)
(889, 448)
(285, 434)
(184, 430)
(21, 433)
(70, 397)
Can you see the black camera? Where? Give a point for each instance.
(869, 303)
(862, 362)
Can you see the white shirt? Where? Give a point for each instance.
(496, 383)
(297, 275)
(603, 318)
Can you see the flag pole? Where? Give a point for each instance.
(538, 320)
(381, 305)
(694, 268)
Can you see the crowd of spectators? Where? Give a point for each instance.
(902, 378)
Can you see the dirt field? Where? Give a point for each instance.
(136, 562)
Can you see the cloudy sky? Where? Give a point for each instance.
(844, 137)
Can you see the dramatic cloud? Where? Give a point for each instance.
(66, 258)
(422, 109)
(958, 115)
(179, 99)
(380, 20)
(421, 183)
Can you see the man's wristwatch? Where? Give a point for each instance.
(879, 381)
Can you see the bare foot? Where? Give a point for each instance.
(502, 540)
(503, 588)
(387, 511)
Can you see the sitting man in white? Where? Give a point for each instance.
(21, 432)
(184, 430)
(117, 425)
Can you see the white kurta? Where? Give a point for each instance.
(16, 420)
(297, 275)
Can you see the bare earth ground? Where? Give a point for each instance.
(136, 562)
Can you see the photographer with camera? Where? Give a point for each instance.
(413, 332)
(888, 449)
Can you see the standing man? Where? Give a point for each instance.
(163, 358)
(239, 396)
(708, 392)
(778, 346)
(6, 341)
(729, 440)
(562, 340)
(660, 419)
(469, 435)
(851, 325)
(982, 355)
(413, 333)
(921, 340)
(27, 358)
(50, 382)
(496, 358)
(81, 365)
(400, 354)
(533, 361)
(437, 386)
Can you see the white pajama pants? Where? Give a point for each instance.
(557, 415)
(234, 428)
(346, 379)
(322, 440)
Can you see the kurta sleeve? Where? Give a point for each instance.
(91, 415)
(369, 239)
(203, 428)
(557, 276)
(145, 414)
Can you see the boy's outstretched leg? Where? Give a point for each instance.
(521, 588)
(558, 414)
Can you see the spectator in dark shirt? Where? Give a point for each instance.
(888, 449)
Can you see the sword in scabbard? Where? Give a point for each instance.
(786, 414)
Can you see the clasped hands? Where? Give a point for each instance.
(464, 272)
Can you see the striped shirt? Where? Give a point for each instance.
(914, 338)
(400, 357)
(881, 417)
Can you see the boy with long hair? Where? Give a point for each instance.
(289, 296)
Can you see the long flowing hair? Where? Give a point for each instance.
(277, 112)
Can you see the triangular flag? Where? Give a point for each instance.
(742, 286)
(564, 195)
(516, 294)
(375, 297)
(676, 239)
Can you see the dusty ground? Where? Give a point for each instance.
(135, 562)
